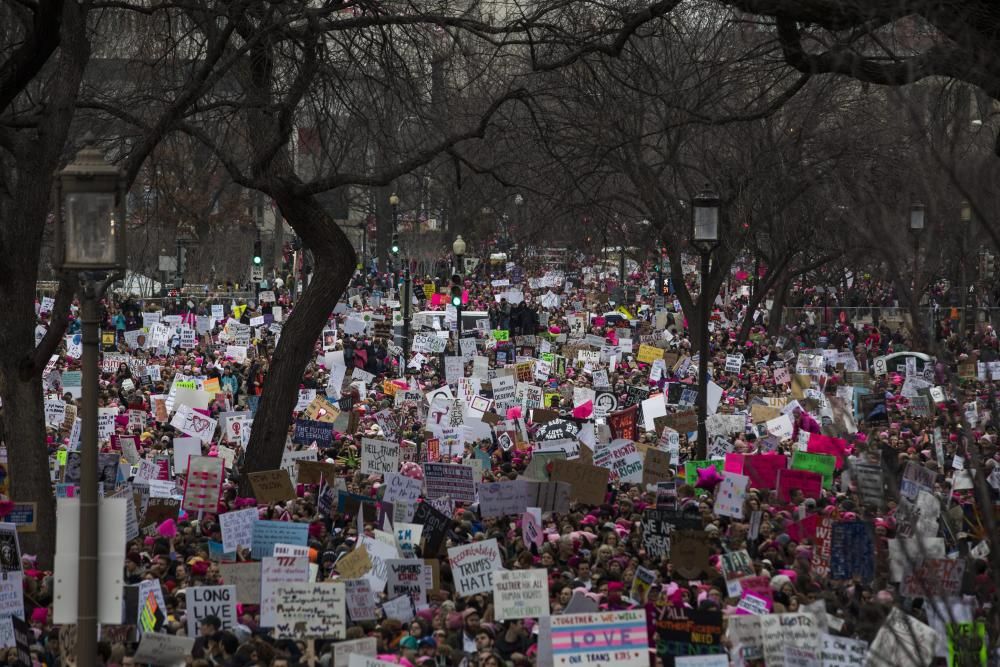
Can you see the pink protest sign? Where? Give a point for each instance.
(762, 469)
(810, 483)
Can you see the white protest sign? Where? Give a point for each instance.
(473, 565)
(311, 610)
(273, 573)
(237, 529)
(521, 594)
(186, 420)
(379, 457)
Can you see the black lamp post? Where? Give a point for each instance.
(90, 228)
(705, 238)
(917, 216)
(458, 247)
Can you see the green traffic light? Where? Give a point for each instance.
(256, 260)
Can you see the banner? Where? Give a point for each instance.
(682, 631)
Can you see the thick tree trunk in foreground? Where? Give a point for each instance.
(27, 164)
(335, 262)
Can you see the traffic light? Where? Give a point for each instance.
(456, 290)
(257, 258)
(395, 244)
(989, 265)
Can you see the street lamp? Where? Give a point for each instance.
(90, 229)
(917, 218)
(405, 291)
(458, 247)
(965, 215)
(394, 203)
(705, 238)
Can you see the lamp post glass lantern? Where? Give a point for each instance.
(705, 220)
(91, 224)
(917, 211)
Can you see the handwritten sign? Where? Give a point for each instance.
(521, 594)
(473, 565)
(271, 486)
(311, 610)
(379, 457)
(203, 601)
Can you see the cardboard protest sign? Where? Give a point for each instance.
(588, 483)
(612, 637)
(689, 552)
(967, 643)
(501, 498)
(406, 577)
(310, 472)
(473, 565)
(307, 610)
(205, 601)
(355, 564)
(366, 647)
(656, 529)
(195, 424)
(655, 466)
(842, 652)
(271, 486)
(379, 457)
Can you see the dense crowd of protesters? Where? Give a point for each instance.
(874, 414)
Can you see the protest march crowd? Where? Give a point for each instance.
(529, 493)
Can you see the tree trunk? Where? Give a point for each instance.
(756, 297)
(335, 261)
(27, 171)
(777, 309)
(721, 262)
